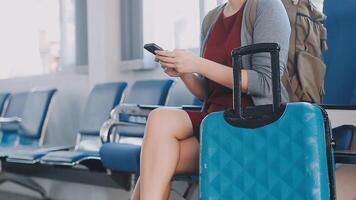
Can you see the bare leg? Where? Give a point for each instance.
(136, 192)
(161, 151)
(188, 163)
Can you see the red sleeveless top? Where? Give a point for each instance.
(225, 36)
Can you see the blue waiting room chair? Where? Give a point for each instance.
(340, 82)
(25, 120)
(14, 109)
(3, 99)
(101, 100)
(87, 149)
(122, 155)
(23, 127)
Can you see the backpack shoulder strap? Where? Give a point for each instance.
(251, 7)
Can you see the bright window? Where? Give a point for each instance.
(42, 36)
(170, 24)
(175, 24)
(30, 37)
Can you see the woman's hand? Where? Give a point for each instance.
(180, 61)
(170, 72)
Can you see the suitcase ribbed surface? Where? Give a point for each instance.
(283, 160)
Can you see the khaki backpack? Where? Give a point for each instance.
(304, 79)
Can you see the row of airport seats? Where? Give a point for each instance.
(26, 154)
(23, 119)
(101, 101)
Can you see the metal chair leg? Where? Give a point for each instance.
(175, 196)
(188, 195)
(132, 183)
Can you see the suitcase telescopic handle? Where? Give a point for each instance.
(273, 49)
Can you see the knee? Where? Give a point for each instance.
(158, 120)
(157, 116)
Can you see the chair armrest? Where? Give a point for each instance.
(340, 115)
(10, 120)
(148, 107)
(338, 107)
(132, 109)
(106, 129)
(144, 110)
(191, 107)
(57, 148)
(350, 127)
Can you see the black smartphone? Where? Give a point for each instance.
(152, 47)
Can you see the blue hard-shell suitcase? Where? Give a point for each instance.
(278, 151)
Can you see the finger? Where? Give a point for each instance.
(165, 53)
(166, 59)
(167, 65)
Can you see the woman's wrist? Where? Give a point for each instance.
(199, 65)
(187, 77)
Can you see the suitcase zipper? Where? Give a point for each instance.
(330, 143)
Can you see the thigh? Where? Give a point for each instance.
(169, 122)
(188, 156)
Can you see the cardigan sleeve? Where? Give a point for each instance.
(271, 25)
